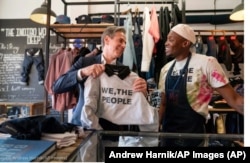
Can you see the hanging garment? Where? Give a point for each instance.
(238, 56)
(110, 97)
(148, 42)
(154, 31)
(33, 56)
(165, 27)
(178, 15)
(234, 123)
(211, 47)
(199, 45)
(164, 24)
(224, 55)
(129, 58)
(59, 64)
(137, 38)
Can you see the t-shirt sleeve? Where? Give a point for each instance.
(215, 73)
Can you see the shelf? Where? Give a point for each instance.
(35, 107)
(221, 110)
(71, 31)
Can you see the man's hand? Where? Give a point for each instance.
(140, 85)
(93, 70)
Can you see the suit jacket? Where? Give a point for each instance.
(68, 82)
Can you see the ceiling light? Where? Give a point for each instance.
(238, 13)
(39, 15)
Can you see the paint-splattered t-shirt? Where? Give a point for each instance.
(204, 74)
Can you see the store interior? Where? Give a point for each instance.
(82, 23)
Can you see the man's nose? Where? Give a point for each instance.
(166, 43)
(124, 44)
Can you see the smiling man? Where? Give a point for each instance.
(187, 84)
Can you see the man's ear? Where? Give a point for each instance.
(186, 43)
(106, 39)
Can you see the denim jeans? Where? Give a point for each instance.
(33, 55)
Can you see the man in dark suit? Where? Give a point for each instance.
(113, 43)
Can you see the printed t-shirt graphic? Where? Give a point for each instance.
(110, 96)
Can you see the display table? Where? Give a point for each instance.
(69, 154)
(92, 147)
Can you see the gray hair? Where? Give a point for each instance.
(110, 31)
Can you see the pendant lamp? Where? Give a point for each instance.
(238, 13)
(39, 15)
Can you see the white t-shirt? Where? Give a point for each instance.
(204, 74)
(113, 99)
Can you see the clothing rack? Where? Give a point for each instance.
(219, 32)
(87, 31)
(172, 2)
(70, 31)
(120, 2)
(117, 4)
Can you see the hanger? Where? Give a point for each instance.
(128, 10)
(211, 37)
(137, 12)
(233, 37)
(223, 35)
(198, 38)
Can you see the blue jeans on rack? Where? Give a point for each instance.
(33, 55)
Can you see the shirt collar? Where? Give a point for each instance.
(104, 61)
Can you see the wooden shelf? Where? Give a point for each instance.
(35, 107)
(221, 110)
(72, 31)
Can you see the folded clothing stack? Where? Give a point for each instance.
(62, 139)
